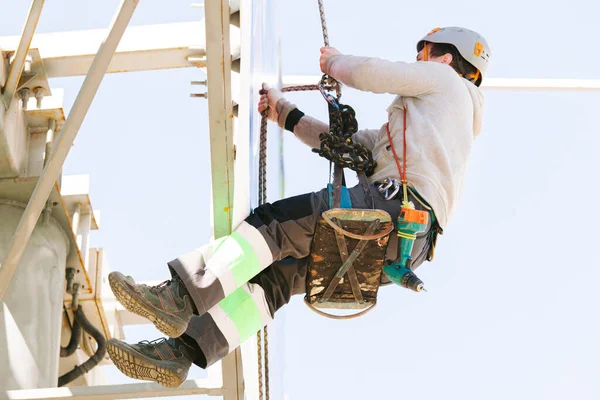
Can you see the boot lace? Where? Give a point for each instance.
(160, 287)
(152, 343)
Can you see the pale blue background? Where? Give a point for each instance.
(511, 307)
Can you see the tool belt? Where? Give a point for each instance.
(391, 190)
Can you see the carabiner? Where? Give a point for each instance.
(385, 185)
(395, 192)
(384, 188)
(328, 97)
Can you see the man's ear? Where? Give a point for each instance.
(447, 58)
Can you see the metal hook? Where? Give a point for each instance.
(328, 97)
(385, 186)
(395, 192)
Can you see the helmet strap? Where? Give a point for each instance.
(425, 52)
(474, 77)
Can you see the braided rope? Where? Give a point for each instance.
(300, 88)
(331, 84)
(323, 23)
(266, 338)
(260, 366)
(262, 199)
(326, 86)
(262, 166)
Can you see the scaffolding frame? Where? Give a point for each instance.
(217, 58)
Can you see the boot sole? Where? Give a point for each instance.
(167, 323)
(137, 366)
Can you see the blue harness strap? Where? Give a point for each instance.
(345, 202)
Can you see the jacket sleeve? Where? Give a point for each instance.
(382, 76)
(366, 137)
(308, 129)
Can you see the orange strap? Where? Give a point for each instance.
(401, 170)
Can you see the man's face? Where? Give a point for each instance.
(444, 59)
(421, 54)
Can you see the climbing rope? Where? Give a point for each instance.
(266, 338)
(259, 337)
(262, 157)
(263, 386)
(263, 389)
(323, 23)
(336, 145)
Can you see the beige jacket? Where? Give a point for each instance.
(444, 117)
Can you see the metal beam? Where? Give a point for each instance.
(220, 113)
(63, 144)
(148, 47)
(490, 83)
(105, 392)
(16, 67)
(142, 48)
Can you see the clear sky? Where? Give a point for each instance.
(513, 289)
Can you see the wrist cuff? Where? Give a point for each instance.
(292, 119)
(283, 108)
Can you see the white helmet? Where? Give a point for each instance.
(471, 45)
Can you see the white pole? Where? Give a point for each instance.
(65, 141)
(16, 67)
(541, 84)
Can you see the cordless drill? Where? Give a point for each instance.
(410, 223)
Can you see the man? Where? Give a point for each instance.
(223, 293)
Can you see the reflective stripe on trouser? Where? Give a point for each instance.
(243, 313)
(228, 324)
(216, 270)
(272, 232)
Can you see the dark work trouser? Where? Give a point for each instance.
(239, 281)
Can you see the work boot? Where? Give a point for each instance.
(165, 361)
(168, 306)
